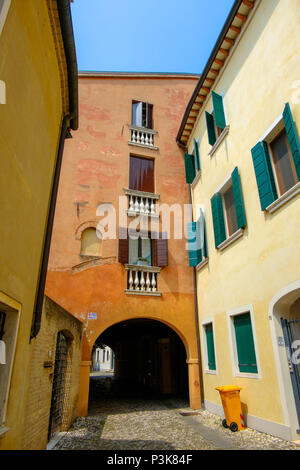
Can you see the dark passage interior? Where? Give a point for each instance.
(149, 363)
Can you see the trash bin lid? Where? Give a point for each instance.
(229, 388)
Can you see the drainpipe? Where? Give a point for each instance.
(69, 121)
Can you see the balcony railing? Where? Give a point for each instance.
(142, 137)
(142, 280)
(141, 203)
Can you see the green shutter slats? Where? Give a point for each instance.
(203, 234)
(211, 358)
(194, 244)
(264, 174)
(238, 198)
(245, 343)
(218, 110)
(190, 171)
(210, 124)
(218, 219)
(292, 137)
(197, 157)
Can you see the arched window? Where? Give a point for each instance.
(90, 242)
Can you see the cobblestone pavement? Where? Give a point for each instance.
(118, 422)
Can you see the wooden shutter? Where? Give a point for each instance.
(161, 251)
(190, 171)
(150, 116)
(194, 244)
(218, 110)
(203, 234)
(245, 343)
(197, 157)
(238, 198)
(210, 124)
(264, 174)
(292, 137)
(218, 219)
(211, 358)
(123, 245)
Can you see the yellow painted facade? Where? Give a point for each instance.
(30, 124)
(261, 74)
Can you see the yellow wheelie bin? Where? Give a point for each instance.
(230, 396)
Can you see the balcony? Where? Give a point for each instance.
(142, 280)
(142, 137)
(141, 203)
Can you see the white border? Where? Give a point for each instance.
(206, 369)
(233, 349)
(3, 14)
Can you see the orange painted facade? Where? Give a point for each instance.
(95, 170)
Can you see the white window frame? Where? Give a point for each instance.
(206, 369)
(271, 133)
(3, 14)
(233, 348)
(239, 232)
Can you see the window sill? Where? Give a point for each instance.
(135, 292)
(196, 179)
(219, 141)
(203, 263)
(248, 375)
(284, 198)
(235, 236)
(211, 372)
(3, 431)
(151, 147)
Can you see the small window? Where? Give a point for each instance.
(283, 163)
(229, 210)
(140, 251)
(90, 242)
(245, 343)
(215, 121)
(142, 114)
(210, 346)
(141, 174)
(4, 7)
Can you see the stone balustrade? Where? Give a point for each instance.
(141, 203)
(142, 137)
(142, 280)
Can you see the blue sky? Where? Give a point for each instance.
(147, 36)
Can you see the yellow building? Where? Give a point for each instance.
(240, 133)
(38, 104)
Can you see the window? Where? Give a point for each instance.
(141, 174)
(244, 343)
(210, 347)
(197, 244)
(4, 7)
(142, 114)
(276, 161)
(192, 163)
(140, 251)
(228, 210)
(90, 242)
(215, 121)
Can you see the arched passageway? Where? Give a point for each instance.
(149, 362)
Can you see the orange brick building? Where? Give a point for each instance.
(134, 293)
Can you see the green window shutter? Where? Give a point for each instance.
(194, 244)
(210, 124)
(245, 343)
(203, 234)
(292, 137)
(218, 110)
(238, 198)
(264, 174)
(190, 171)
(218, 219)
(197, 158)
(211, 358)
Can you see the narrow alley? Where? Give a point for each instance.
(121, 419)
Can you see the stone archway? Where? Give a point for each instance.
(164, 341)
(285, 308)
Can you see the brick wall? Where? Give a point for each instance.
(54, 319)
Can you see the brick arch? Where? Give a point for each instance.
(83, 226)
